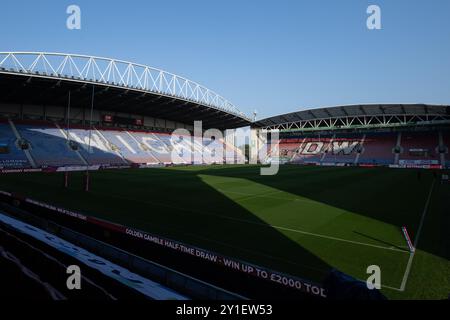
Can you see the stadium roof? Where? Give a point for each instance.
(45, 78)
(361, 115)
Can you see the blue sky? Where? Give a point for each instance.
(273, 56)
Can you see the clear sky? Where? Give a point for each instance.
(273, 56)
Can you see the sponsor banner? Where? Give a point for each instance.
(56, 209)
(333, 164)
(78, 168)
(234, 264)
(151, 165)
(418, 162)
(364, 165)
(13, 163)
(312, 163)
(67, 168)
(416, 166)
(21, 170)
(230, 263)
(306, 164)
(111, 166)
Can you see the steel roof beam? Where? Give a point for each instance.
(113, 72)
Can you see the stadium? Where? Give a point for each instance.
(92, 174)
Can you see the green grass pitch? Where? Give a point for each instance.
(302, 221)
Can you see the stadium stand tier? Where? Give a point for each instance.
(365, 134)
(51, 145)
(372, 148)
(378, 148)
(47, 144)
(100, 151)
(419, 146)
(446, 147)
(11, 155)
(344, 148)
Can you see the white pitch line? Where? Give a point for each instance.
(274, 258)
(338, 239)
(244, 193)
(407, 271)
(309, 233)
(416, 240)
(261, 224)
(254, 195)
(391, 288)
(266, 195)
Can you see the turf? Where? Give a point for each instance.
(302, 221)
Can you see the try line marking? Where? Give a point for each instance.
(416, 240)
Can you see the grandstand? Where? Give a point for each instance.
(56, 129)
(390, 135)
(177, 218)
(37, 144)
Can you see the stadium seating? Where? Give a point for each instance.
(51, 145)
(201, 152)
(158, 151)
(420, 146)
(208, 151)
(230, 152)
(11, 155)
(344, 148)
(184, 147)
(128, 146)
(174, 152)
(378, 148)
(371, 148)
(311, 149)
(100, 151)
(288, 148)
(323, 149)
(446, 142)
(48, 145)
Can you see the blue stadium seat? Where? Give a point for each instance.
(49, 147)
(12, 156)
